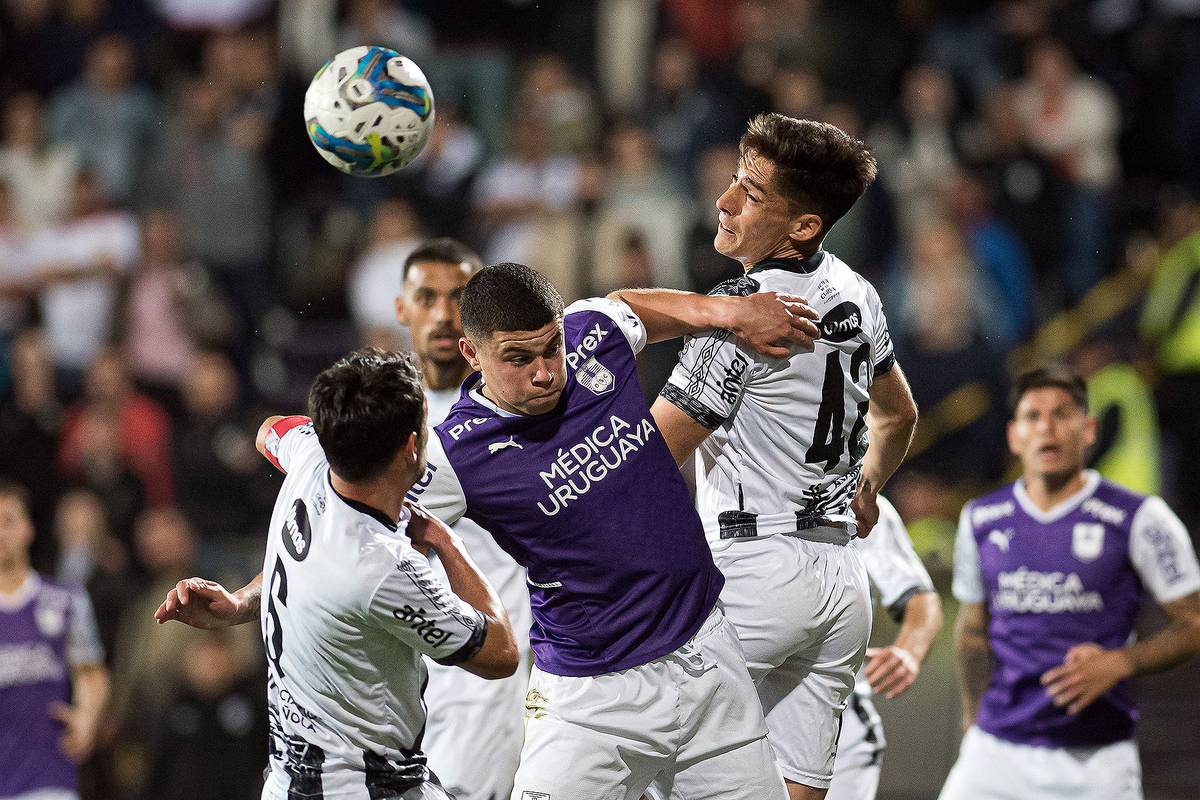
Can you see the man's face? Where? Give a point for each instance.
(1050, 433)
(523, 370)
(428, 305)
(16, 530)
(755, 221)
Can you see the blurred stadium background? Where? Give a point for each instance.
(176, 262)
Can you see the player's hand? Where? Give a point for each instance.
(200, 603)
(79, 736)
(866, 510)
(426, 531)
(891, 670)
(774, 324)
(1085, 675)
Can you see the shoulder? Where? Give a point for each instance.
(991, 507)
(588, 323)
(741, 286)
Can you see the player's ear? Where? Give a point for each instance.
(1089, 432)
(401, 310)
(469, 352)
(807, 228)
(1012, 438)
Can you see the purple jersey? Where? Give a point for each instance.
(45, 629)
(1052, 580)
(588, 499)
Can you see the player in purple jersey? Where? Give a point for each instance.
(53, 684)
(1051, 572)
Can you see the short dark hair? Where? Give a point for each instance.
(508, 297)
(819, 168)
(1056, 376)
(364, 408)
(445, 249)
(19, 493)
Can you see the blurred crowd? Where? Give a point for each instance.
(176, 261)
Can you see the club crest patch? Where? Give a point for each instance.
(595, 377)
(1087, 541)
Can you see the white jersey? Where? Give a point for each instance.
(348, 609)
(789, 434)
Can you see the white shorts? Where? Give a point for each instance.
(803, 613)
(989, 768)
(275, 789)
(860, 751)
(689, 722)
(475, 730)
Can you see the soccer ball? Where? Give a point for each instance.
(369, 111)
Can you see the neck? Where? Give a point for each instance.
(13, 575)
(1047, 491)
(784, 252)
(439, 375)
(382, 494)
(487, 392)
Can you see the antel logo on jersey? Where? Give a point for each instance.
(297, 533)
(841, 323)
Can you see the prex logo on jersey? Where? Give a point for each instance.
(589, 343)
(465, 427)
(496, 447)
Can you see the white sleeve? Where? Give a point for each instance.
(968, 577)
(413, 605)
(292, 440)
(619, 312)
(708, 382)
(892, 565)
(83, 637)
(881, 337)
(439, 490)
(1162, 552)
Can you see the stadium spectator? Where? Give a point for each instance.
(389, 24)
(91, 559)
(40, 173)
(16, 285)
(439, 181)
(525, 200)
(374, 279)
(641, 198)
(1073, 120)
(549, 91)
(144, 430)
(1170, 325)
(705, 266)
(108, 119)
(217, 716)
(30, 421)
(98, 464)
(77, 264)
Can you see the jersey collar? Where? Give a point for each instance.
(801, 265)
(372, 512)
(1062, 508)
(23, 594)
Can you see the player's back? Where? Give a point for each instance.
(789, 435)
(348, 609)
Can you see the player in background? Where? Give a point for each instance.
(351, 602)
(785, 476)
(1051, 571)
(53, 683)
(906, 591)
(475, 730)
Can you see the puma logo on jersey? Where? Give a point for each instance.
(496, 447)
(1001, 539)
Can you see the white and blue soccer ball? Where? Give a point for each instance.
(369, 111)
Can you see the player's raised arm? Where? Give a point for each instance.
(207, 604)
(771, 323)
(892, 420)
(495, 655)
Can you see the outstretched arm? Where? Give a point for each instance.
(207, 604)
(892, 669)
(770, 323)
